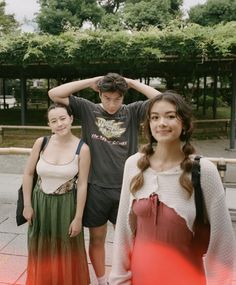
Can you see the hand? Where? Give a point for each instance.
(94, 82)
(128, 81)
(75, 227)
(28, 214)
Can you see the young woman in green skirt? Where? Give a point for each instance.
(54, 209)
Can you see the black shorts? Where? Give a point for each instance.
(101, 205)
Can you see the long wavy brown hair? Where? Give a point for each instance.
(184, 113)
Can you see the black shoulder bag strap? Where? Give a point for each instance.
(202, 227)
(198, 196)
(44, 142)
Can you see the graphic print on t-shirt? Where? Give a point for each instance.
(110, 128)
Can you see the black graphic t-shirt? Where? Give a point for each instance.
(111, 138)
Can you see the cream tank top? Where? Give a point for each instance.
(54, 175)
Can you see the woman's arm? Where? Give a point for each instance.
(220, 257)
(28, 179)
(82, 183)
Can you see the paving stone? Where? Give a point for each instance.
(9, 225)
(21, 280)
(5, 239)
(18, 246)
(11, 267)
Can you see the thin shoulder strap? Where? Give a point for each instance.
(198, 196)
(79, 146)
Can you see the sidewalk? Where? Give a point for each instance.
(13, 239)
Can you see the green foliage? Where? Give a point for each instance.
(144, 14)
(209, 101)
(111, 6)
(223, 39)
(213, 12)
(7, 22)
(111, 22)
(130, 50)
(38, 95)
(175, 6)
(57, 15)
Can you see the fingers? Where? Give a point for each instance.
(72, 232)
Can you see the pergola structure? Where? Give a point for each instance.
(167, 67)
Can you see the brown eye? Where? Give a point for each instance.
(171, 116)
(154, 118)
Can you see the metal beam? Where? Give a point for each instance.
(23, 99)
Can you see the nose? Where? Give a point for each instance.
(112, 104)
(59, 122)
(162, 121)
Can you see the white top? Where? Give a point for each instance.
(166, 184)
(54, 175)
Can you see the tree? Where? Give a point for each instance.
(213, 12)
(7, 22)
(141, 14)
(112, 15)
(56, 15)
(174, 5)
(111, 6)
(112, 22)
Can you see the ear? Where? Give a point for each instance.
(72, 119)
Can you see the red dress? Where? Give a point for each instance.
(163, 253)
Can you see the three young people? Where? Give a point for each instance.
(157, 193)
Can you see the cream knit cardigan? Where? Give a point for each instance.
(220, 257)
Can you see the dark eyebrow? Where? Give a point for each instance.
(166, 113)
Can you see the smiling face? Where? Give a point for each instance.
(60, 121)
(165, 125)
(111, 101)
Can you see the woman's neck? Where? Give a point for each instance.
(64, 139)
(166, 156)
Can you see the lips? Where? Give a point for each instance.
(163, 132)
(59, 130)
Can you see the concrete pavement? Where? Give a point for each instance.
(13, 244)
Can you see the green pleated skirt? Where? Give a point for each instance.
(53, 257)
